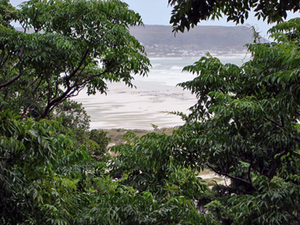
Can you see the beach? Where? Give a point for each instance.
(139, 108)
(150, 102)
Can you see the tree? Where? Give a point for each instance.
(8, 13)
(245, 127)
(75, 45)
(187, 13)
(47, 175)
(31, 187)
(156, 164)
(245, 124)
(44, 180)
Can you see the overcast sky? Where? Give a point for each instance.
(157, 12)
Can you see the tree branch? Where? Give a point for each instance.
(282, 121)
(91, 77)
(70, 89)
(272, 171)
(49, 88)
(279, 154)
(32, 83)
(274, 122)
(21, 51)
(232, 177)
(20, 73)
(4, 59)
(12, 80)
(78, 67)
(273, 167)
(249, 172)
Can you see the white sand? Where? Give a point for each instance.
(130, 108)
(156, 94)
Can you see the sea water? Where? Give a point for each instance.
(168, 71)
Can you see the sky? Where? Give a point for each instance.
(157, 12)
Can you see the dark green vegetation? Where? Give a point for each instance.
(76, 45)
(187, 13)
(245, 127)
(117, 135)
(54, 171)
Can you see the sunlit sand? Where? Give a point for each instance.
(130, 108)
(157, 94)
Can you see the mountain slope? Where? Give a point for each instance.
(160, 41)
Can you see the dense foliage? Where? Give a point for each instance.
(54, 171)
(187, 13)
(66, 46)
(44, 180)
(244, 127)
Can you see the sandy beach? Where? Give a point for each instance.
(155, 96)
(130, 108)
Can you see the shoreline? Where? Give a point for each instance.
(228, 55)
(139, 108)
(156, 94)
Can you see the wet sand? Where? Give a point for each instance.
(130, 108)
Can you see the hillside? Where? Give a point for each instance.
(160, 41)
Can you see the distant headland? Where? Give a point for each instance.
(159, 41)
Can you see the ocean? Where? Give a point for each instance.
(150, 103)
(168, 71)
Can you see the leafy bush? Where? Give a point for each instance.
(99, 136)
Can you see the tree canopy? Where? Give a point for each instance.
(244, 126)
(187, 13)
(53, 170)
(67, 46)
